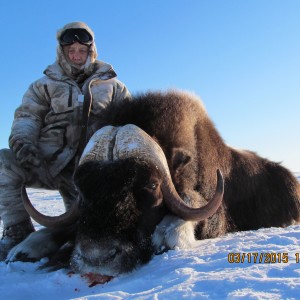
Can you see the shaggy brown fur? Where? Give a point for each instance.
(258, 192)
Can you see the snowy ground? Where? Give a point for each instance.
(270, 269)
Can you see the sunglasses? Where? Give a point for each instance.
(80, 35)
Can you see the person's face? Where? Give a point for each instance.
(77, 53)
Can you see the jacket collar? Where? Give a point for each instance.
(102, 70)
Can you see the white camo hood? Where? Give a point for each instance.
(70, 69)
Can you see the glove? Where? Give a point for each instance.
(28, 155)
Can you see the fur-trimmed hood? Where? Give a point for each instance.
(71, 70)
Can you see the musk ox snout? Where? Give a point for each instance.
(107, 256)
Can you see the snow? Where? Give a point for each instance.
(202, 272)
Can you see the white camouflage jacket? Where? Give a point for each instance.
(51, 111)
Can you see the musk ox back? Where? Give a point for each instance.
(258, 192)
(132, 206)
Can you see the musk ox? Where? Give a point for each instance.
(158, 175)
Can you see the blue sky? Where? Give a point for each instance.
(241, 56)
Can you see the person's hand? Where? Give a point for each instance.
(28, 155)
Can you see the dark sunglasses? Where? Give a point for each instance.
(79, 35)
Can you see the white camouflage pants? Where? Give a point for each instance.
(13, 176)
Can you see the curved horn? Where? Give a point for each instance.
(181, 209)
(99, 148)
(131, 141)
(65, 219)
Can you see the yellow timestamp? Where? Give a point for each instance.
(261, 258)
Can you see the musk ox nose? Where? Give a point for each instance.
(111, 254)
(100, 252)
(103, 258)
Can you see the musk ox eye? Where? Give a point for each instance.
(152, 186)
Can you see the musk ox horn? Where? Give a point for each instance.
(131, 141)
(99, 148)
(185, 212)
(68, 218)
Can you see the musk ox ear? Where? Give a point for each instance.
(180, 159)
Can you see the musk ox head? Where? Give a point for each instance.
(125, 189)
(121, 203)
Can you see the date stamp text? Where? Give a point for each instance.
(261, 258)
